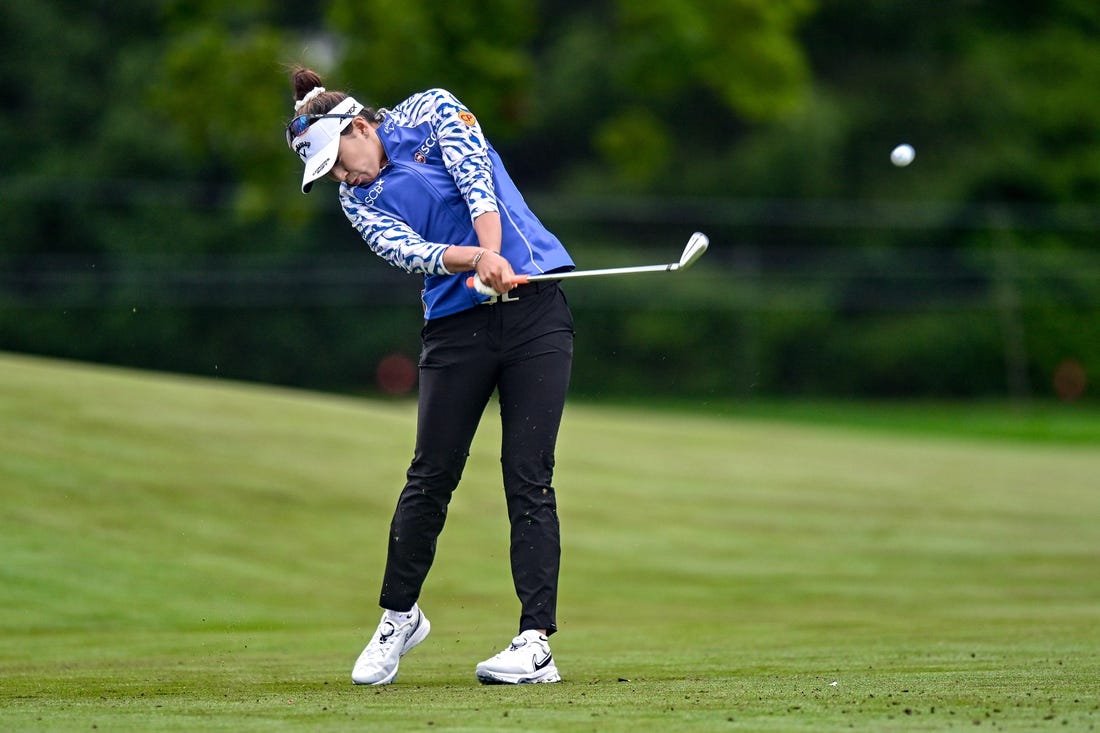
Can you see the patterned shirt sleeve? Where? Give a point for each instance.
(392, 239)
(466, 157)
(465, 152)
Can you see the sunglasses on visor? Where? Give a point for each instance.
(301, 123)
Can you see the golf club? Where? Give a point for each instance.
(694, 249)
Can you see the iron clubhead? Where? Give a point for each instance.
(694, 249)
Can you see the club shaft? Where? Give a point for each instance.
(595, 273)
(696, 246)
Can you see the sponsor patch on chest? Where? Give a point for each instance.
(425, 149)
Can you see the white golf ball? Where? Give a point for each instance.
(903, 155)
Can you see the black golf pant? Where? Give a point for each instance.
(523, 349)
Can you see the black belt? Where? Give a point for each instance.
(521, 291)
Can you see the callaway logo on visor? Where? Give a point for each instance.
(315, 138)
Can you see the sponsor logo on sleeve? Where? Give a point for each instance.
(467, 117)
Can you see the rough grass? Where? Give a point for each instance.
(192, 555)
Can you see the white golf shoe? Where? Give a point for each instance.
(527, 660)
(377, 665)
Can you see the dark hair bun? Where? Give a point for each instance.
(304, 80)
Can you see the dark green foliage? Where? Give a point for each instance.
(145, 169)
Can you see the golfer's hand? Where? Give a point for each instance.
(496, 272)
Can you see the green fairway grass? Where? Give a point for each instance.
(194, 555)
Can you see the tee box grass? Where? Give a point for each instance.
(181, 554)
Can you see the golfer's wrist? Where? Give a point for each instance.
(481, 252)
(477, 258)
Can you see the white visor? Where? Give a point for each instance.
(319, 145)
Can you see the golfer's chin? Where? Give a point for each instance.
(363, 179)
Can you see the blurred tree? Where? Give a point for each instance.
(59, 83)
(628, 81)
(221, 80)
(141, 127)
(994, 95)
(479, 50)
(633, 82)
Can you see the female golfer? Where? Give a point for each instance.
(429, 195)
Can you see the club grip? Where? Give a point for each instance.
(518, 280)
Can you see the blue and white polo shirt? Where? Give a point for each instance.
(443, 174)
